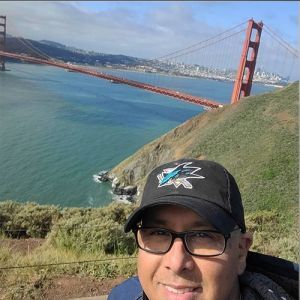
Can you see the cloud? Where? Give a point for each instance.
(140, 29)
(122, 29)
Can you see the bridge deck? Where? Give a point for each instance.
(160, 90)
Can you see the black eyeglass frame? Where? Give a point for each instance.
(182, 235)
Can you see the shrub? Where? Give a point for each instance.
(275, 233)
(27, 220)
(99, 230)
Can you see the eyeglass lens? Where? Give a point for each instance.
(203, 243)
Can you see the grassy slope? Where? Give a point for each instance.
(257, 140)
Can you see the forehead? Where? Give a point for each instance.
(174, 217)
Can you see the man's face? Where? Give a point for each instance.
(177, 275)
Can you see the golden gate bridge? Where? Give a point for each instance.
(243, 76)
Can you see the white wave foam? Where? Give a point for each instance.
(96, 178)
(91, 201)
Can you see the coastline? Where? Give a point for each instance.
(216, 78)
(116, 68)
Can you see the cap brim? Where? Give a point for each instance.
(214, 214)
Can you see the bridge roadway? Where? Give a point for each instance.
(160, 90)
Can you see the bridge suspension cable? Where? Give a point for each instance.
(208, 45)
(33, 49)
(38, 51)
(277, 59)
(29, 45)
(216, 57)
(281, 41)
(201, 42)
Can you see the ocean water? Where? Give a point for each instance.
(58, 129)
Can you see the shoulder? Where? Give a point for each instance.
(130, 289)
(283, 272)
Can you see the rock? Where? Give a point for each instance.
(128, 176)
(130, 190)
(118, 191)
(103, 176)
(115, 183)
(123, 199)
(111, 176)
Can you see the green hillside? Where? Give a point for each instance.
(256, 140)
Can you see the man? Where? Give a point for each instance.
(193, 243)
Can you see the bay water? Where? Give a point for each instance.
(58, 128)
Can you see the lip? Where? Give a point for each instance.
(180, 292)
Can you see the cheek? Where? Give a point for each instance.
(219, 275)
(145, 261)
(148, 264)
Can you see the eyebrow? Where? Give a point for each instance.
(163, 223)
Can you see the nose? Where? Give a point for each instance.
(177, 258)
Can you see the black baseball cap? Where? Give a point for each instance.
(203, 186)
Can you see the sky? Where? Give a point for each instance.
(145, 29)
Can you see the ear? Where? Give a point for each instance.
(245, 242)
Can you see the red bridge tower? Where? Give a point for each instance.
(244, 76)
(2, 41)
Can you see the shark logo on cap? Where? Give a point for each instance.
(179, 176)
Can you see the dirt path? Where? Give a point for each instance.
(67, 287)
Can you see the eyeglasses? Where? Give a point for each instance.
(204, 243)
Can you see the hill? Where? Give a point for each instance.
(68, 54)
(256, 140)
